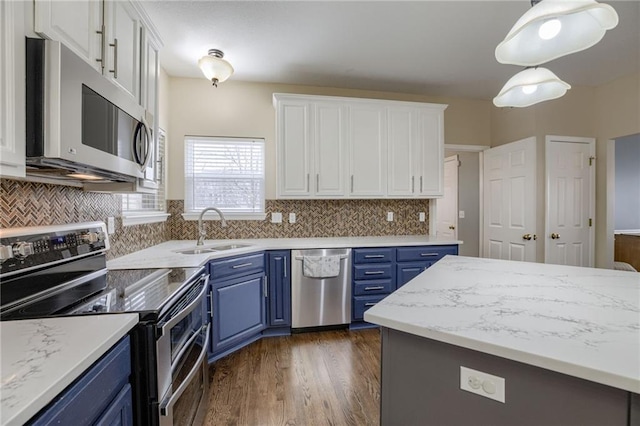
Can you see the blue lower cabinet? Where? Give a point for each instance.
(406, 271)
(279, 284)
(362, 303)
(411, 261)
(102, 395)
(239, 310)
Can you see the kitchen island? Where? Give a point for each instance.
(566, 341)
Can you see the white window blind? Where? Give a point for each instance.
(227, 173)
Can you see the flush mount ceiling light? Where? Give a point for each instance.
(214, 67)
(529, 87)
(554, 28)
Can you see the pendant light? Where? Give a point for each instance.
(529, 87)
(214, 67)
(555, 28)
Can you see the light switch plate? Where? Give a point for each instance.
(292, 218)
(276, 217)
(422, 216)
(461, 214)
(483, 384)
(389, 216)
(111, 225)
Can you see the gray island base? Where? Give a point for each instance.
(421, 386)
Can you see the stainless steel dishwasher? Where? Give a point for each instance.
(318, 297)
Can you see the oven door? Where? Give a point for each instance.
(184, 404)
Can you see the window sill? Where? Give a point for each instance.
(227, 216)
(129, 219)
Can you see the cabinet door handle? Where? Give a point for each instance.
(421, 184)
(211, 305)
(428, 254)
(413, 179)
(115, 57)
(369, 304)
(285, 266)
(102, 46)
(308, 187)
(317, 182)
(351, 183)
(243, 265)
(374, 272)
(378, 287)
(374, 256)
(264, 287)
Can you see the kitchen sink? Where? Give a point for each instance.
(211, 249)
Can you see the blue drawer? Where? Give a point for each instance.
(361, 288)
(362, 303)
(237, 266)
(424, 253)
(373, 271)
(373, 255)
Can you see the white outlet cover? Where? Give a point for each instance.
(276, 217)
(292, 218)
(422, 216)
(483, 384)
(111, 225)
(389, 216)
(461, 214)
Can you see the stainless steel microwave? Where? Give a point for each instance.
(81, 126)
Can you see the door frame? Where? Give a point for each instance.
(591, 142)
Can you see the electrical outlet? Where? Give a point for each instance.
(461, 214)
(292, 218)
(389, 216)
(276, 217)
(483, 384)
(422, 216)
(111, 225)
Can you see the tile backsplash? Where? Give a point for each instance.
(314, 218)
(38, 204)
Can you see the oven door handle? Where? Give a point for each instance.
(166, 406)
(187, 310)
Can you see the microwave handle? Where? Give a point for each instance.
(140, 145)
(147, 142)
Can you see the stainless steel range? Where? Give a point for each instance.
(61, 270)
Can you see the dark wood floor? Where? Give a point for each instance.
(317, 378)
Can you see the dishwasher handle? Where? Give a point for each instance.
(342, 256)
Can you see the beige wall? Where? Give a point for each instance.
(606, 112)
(244, 109)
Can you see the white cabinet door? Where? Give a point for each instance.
(329, 149)
(149, 99)
(293, 146)
(367, 151)
(123, 45)
(74, 23)
(431, 137)
(12, 95)
(402, 155)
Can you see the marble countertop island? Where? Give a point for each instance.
(165, 255)
(40, 358)
(583, 322)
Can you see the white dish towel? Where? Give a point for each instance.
(321, 266)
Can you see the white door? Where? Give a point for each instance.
(401, 152)
(431, 156)
(509, 201)
(447, 206)
(123, 36)
(329, 150)
(570, 201)
(293, 139)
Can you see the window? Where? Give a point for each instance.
(227, 173)
(148, 208)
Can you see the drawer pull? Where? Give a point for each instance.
(369, 304)
(374, 256)
(429, 254)
(242, 265)
(378, 287)
(374, 272)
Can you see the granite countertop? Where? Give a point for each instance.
(583, 322)
(40, 358)
(164, 255)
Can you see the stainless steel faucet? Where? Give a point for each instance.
(201, 232)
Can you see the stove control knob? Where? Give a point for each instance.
(90, 237)
(22, 249)
(6, 252)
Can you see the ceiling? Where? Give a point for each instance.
(440, 48)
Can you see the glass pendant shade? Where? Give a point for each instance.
(529, 87)
(555, 28)
(215, 68)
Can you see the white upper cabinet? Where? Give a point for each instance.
(329, 147)
(122, 38)
(367, 151)
(12, 96)
(74, 23)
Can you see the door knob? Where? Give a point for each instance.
(554, 236)
(526, 237)
(452, 227)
